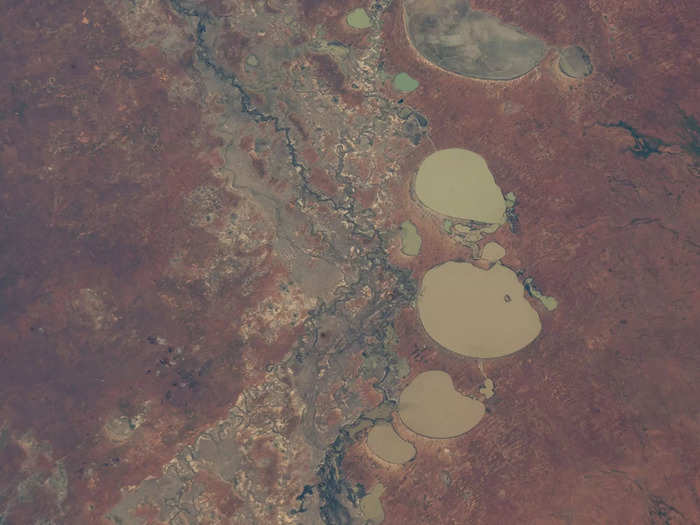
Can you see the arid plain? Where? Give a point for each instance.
(213, 250)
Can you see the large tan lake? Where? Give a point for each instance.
(475, 312)
(431, 406)
(458, 183)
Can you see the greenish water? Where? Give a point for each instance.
(550, 303)
(410, 239)
(359, 19)
(405, 83)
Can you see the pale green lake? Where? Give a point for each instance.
(358, 19)
(410, 239)
(405, 83)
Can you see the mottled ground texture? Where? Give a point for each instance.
(204, 305)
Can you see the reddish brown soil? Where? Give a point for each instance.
(597, 420)
(113, 304)
(95, 162)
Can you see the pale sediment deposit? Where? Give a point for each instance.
(487, 389)
(405, 83)
(493, 252)
(471, 43)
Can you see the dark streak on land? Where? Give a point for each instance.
(644, 221)
(513, 220)
(644, 145)
(308, 490)
(691, 134)
(660, 512)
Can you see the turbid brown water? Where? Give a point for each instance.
(457, 182)
(371, 505)
(431, 406)
(384, 442)
(455, 37)
(476, 313)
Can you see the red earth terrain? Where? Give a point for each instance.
(203, 302)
